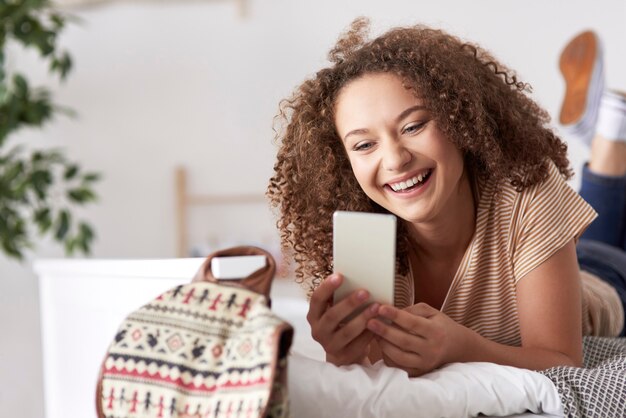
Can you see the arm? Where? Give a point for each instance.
(549, 307)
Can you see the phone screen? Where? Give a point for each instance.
(364, 252)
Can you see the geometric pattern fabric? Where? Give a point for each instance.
(199, 350)
(598, 389)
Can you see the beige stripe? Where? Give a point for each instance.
(512, 237)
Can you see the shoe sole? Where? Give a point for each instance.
(576, 65)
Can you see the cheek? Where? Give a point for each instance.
(364, 173)
(460, 163)
(452, 156)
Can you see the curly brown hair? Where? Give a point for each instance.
(477, 103)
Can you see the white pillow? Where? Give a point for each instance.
(319, 389)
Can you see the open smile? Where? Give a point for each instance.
(410, 184)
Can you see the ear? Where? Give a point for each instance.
(259, 281)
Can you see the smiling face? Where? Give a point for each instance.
(398, 155)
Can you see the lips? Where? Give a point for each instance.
(410, 183)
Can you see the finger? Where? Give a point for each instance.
(413, 323)
(336, 314)
(397, 336)
(358, 346)
(353, 328)
(400, 357)
(321, 297)
(422, 309)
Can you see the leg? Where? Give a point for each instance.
(606, 262)
(607, 195)
(608, 157)
(588, 108)
(604, 178)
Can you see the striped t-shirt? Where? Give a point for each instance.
(515, 233)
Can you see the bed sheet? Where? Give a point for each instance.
(318, 389)
(596, 390)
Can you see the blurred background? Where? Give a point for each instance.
(195, 84)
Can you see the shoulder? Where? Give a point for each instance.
(552, 190)
(554, 197)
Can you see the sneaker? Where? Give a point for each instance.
(582, 67)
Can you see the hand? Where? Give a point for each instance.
(344, 342)
(419, 339)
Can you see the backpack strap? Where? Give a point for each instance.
(259, 281)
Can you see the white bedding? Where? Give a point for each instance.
(318, 389)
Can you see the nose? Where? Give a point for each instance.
(395, 155)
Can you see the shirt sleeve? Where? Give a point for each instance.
(549, 215)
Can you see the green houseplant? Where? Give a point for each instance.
(38, 188)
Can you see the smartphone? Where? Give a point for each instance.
(364, 252)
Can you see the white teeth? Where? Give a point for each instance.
(403, 185)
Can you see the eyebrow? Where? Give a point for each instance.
(401, 116)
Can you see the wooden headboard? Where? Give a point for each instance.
(185, 200)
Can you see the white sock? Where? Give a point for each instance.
(612, 117)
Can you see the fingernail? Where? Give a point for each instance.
(362, 295)
(384, 311)
(373, 326)
(334, 279)
(374, 308)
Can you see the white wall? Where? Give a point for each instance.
(158, 84)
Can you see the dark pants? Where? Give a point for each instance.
(602, 248)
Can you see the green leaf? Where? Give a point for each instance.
(58, 21)
(37, 112)
(81, 195)
(91, 177)
(70, 172)
(70, 245)
(41, 181)
(12, 232)
(12, 155)
(62, 225)
(85, 237)
(86, 231)
(21, 86)
(13, 171)
(61, 64)
(43, 219)
(18, 192)
(11, 249)
(65, 65)
(5, 94)
(54, 156)
(36, 157)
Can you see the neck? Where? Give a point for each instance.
(447, 236)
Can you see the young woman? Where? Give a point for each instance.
(434, 130)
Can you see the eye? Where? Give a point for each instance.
(363, 146)
(413, 127)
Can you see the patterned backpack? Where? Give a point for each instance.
(206, 349)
